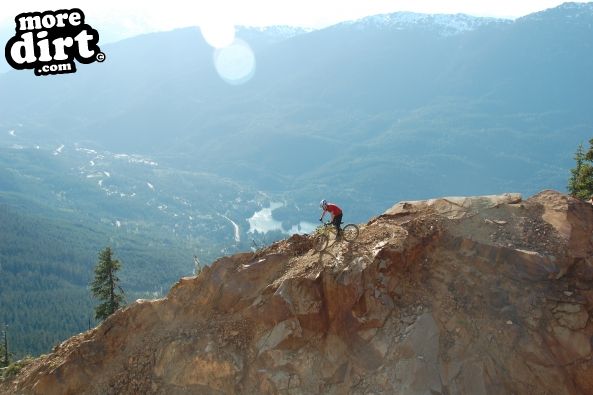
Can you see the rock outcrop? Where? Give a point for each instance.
(478, 295)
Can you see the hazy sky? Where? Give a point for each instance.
(120, 18)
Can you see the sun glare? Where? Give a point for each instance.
(218, 33)
(235, 63)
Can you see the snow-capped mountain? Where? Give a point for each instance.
(259, 37)
(279, 32)
(446, 24)
(565, 10)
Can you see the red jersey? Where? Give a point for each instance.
(333, 209)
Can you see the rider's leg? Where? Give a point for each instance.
(337, 222)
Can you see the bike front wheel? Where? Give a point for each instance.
(350, 232)
(320, 242)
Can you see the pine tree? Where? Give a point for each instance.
(589, 154)
(4, 353)
(106, 287)
(573, 184)
(580, 184)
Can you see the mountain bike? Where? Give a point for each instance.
(326, 233)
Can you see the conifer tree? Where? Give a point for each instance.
(105, 286)
(4, 353)
(580, 184)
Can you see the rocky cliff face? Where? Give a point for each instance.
(481, 295)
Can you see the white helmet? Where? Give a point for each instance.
(323, 203)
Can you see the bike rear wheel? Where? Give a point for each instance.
(350, 232)
(320, 242)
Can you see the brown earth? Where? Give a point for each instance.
(479, 295)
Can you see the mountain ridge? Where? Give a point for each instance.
(468, 295)
(572, 8)
(445, 24)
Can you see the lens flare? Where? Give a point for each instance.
(235, 63)
(217, 33)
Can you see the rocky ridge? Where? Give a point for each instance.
(476, 295)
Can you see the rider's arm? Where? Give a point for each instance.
(322, 215)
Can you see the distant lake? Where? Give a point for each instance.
(263, 221)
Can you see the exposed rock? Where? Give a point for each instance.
(478, 295)
(572, 316)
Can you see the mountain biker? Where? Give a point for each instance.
(336, 215)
